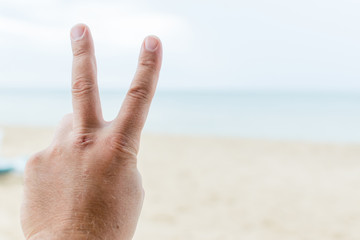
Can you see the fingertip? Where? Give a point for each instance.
(151, 53)
(152, 43)
(81, 39)
(78, 31)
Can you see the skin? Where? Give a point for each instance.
(85, 184)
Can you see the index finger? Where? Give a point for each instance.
(85, 93)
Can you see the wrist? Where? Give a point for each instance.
(71, 231)
(61, 236)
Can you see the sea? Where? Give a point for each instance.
(277, 115)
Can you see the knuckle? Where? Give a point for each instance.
(83, 140)
(123, 146)
(82, 85)
(148, 63)
(80, 52)
(140, 93)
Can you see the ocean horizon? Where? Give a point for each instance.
(279, 115)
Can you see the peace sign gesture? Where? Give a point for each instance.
(86, 102)
(85, 185)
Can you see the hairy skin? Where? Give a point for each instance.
(86, 185)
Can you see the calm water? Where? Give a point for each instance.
(313, 116)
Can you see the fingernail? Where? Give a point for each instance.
(77, 32)
(151, 43)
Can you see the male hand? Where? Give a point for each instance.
(86, 185)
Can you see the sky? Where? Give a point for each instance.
(208, 45)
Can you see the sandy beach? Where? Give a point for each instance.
(224, 188)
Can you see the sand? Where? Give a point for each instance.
(222, 188)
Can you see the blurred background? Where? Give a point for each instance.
(254, 127)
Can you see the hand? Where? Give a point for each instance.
(86, 185)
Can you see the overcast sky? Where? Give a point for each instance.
(278, 44)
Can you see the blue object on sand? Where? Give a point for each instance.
(6, 166)
(4, 169)
(13, 165)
